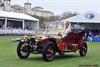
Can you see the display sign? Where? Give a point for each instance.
(89, 16)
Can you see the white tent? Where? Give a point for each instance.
(87, 17)
(87, 20)
(17, 17)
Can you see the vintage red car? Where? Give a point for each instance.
(51, 45)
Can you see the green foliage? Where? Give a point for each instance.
(46, 19)
(68, 15)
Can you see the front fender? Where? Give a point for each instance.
(47, 41)
(43, 42)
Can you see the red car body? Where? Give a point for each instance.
(48, 46)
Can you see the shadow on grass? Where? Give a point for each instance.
(39, 58)
(57, 57)
(67, 56)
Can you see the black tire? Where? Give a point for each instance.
(21, 54)
(83, 50)
(48, 52)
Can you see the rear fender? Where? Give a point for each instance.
(80, 43)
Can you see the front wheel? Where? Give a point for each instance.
(48, 52)
(83, 50)
(22, 50)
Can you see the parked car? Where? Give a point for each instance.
(50, 45)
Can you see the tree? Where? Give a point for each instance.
(53, 18)
(67, 15)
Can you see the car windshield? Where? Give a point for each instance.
(55, 28)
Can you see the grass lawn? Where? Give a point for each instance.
(9, 58)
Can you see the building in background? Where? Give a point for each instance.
(28, 9)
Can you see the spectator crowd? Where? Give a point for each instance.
(14, 31)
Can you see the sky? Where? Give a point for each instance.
(60, 6)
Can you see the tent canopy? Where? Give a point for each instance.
(14, 15)
(87, 17)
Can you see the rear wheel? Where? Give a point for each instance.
(48, 52)
(83, 50)
(22, 50)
